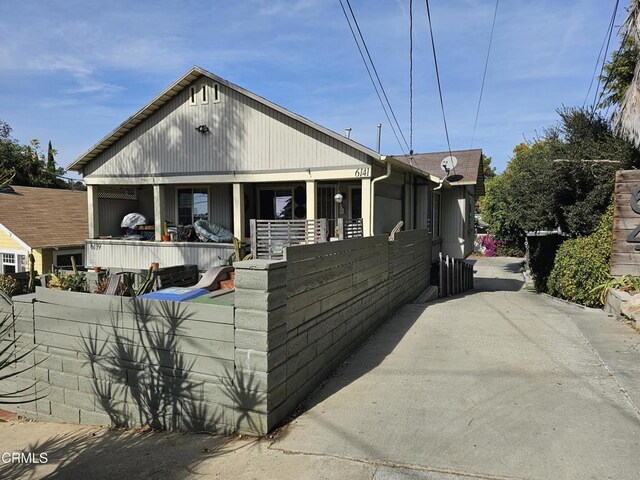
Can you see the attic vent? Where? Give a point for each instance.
(192, 95)
(117, 193)
(216, 93)
(204, 94)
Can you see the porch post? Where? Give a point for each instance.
(94, 219)
(311, 199)
(238, 211)
(157, 211)
(367, 213)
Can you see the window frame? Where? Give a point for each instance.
(192, 188)
(16, 264)
(436, 227)
(57, 253)
(275, 188)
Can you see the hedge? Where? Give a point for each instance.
(582, 264)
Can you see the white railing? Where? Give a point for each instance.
(270, 237)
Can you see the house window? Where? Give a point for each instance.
(9, 263)
(63, 260)
(276, 204)
(192, 95)
(193, 205)
(435, 215)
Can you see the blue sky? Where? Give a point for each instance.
(71, 71)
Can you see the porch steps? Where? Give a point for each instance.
(230, 283)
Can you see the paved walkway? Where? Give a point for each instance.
(496, 383)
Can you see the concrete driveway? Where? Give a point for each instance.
(499, 382)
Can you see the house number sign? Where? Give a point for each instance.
(633, 236)
(362, 172)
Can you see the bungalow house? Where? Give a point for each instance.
(453, 198)
(49, 223)
(206, 149)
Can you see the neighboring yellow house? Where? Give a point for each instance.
(50, 223)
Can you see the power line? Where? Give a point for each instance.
(484, 75)
(373, 66)
(435, 61)
(606, 52)
(606, 41)
(355, 39)
(411, 77)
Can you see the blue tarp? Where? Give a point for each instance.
(175, 294)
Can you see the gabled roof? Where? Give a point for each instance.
(187, 79)
(45, 217)
(469, 170)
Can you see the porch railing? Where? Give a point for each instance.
(270, 237)
(350, 228)
(456, 276)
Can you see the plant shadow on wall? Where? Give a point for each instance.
(142, 377)
(144, 373)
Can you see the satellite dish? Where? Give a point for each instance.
(448, 164)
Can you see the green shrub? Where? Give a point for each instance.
(542, 252)
(8, 285)
(582, 264)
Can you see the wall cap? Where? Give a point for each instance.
(260, 264)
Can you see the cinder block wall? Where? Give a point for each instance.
(128, 362)
(112, 360)
(296, 320)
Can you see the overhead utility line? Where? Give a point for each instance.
(395, 126)
(435, 61)
(484, 75)
(602, 60)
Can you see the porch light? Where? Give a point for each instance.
(338, 198)
(202, 129)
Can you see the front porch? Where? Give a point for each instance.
(175, 208)
(138, 255)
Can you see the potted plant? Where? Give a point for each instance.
(97, 269)
(165, 233)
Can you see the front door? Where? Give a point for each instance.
(327, 207)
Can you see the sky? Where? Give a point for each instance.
(72, 70)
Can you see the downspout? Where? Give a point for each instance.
(373, 191)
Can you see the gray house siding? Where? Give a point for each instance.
(245, 136)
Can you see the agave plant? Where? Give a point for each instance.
(627, 283)
(11, 356)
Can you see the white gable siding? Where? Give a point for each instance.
(245, 136)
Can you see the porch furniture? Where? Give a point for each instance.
(114, 283)
(212, 232)
(178, 276)
(212, 277)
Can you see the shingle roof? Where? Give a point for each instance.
(45, 217)
(469, 170)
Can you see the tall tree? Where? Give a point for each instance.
(487, 169)
(51, 161)
(627, 118)
(538, 192)
(618, 73)
(26, 162)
